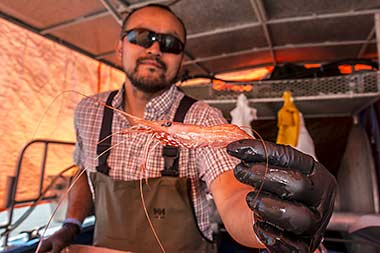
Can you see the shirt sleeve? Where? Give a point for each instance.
(211, 162)
(78, 150)
(77, 155)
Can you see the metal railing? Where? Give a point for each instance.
(358, 84)
(11, 201)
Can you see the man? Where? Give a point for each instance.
(288, 211)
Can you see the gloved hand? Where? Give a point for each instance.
(293, 200)
(60, 239)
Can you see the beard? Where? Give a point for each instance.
(149, 84)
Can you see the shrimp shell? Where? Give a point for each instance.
(191, 136)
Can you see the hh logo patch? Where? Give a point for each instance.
(159, 213)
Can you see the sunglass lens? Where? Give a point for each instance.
(171, 44)
(141, 38)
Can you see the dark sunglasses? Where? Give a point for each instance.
(145, 38)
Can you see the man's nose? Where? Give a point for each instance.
(154, 49)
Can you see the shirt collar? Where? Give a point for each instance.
(156, 107)
(119, 99)
(159, 107)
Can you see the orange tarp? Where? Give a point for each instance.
(35, 81)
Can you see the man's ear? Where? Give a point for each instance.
(180, 71)
(120, 48)
(182, 62)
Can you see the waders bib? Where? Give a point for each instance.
(120, 218)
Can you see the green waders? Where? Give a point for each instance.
(121, 222)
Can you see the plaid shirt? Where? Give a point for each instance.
(201, 165)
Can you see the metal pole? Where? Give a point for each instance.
(112, 10)
(377, 28)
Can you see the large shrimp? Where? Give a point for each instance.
(190, 136)
(184, 135)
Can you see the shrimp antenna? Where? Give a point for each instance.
(76, 178)
(144, 168)
(247, 128)
(123, 131)
(50, 105)
(148, 218)
(266, 162)
(146, 156)
(108, 149)
(266, 171)
(115, 145)
(130, 116)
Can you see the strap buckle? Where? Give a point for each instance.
(103, 168)
(171, 155)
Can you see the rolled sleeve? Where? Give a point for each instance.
(78, 149)
(212, 162)
(78, 152)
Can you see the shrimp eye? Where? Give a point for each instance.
(167, 124)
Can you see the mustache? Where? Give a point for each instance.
(154, 58)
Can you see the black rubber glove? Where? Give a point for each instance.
(60, 239)
(295, 203)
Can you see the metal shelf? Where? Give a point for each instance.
(316, 97)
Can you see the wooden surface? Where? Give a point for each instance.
(76, 248)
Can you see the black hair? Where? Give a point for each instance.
(161, 6)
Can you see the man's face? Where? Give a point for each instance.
(149, 69)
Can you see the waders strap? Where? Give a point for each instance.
(105, 132)
(171, 154)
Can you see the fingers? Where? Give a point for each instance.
(57, 248)
(287, 215)
(277, 241)
(251, 150)
(59, 240)
(48, 246)
(287, 184)
(45, 246)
